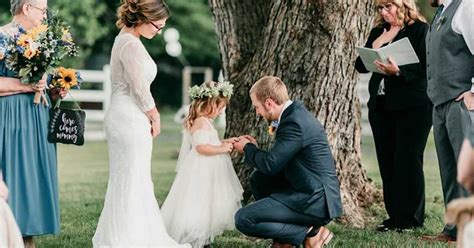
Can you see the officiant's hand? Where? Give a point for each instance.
(390, 68)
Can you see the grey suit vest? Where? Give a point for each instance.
(450, 64)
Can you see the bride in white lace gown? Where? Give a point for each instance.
(131, 216)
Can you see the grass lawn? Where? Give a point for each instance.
(83, 175)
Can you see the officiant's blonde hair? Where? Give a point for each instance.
(407, 11)
(270, 87)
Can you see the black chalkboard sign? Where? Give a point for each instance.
(66, 126)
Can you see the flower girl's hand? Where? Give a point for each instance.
(227, 147)
(155, 128)
(231, 140)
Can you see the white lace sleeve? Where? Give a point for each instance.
(134, 58)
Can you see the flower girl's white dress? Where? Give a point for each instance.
(206, 192)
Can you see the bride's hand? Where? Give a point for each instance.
(155, 128)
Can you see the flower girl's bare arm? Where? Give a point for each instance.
(214, 150)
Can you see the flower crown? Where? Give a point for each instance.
(221, 88)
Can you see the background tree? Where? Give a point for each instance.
(311, 45)
(93, 28)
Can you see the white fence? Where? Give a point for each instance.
(94, 117)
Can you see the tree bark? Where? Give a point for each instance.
(310, 45)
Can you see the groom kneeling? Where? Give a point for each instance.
(295, 183)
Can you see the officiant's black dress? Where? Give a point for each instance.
(400, 119)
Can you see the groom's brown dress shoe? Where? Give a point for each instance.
(281, 245)
(442, 237)
(321, 239)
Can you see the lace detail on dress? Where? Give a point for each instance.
(132, 70)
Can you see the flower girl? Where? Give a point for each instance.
(206, 192)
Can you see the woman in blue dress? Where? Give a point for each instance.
(28, 161)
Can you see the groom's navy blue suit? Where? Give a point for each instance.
(295, 182)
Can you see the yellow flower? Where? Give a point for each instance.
(271, 130)
(24, 40)
(66, 35)
(67, 78)
(34, 32)
(29, 53)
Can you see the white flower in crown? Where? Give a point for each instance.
(225, 89)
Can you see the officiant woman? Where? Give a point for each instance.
(27, 160)
(399, 113)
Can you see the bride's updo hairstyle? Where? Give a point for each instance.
(132, 13)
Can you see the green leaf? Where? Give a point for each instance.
(24, 71)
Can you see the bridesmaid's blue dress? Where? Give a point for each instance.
(28, 162)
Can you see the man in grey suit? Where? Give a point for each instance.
(295, 183)
(450, 69)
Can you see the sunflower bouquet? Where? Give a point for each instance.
(65, 79)
(38, 51)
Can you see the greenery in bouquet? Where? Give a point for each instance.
(34, 52)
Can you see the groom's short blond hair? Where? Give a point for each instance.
(270, 87)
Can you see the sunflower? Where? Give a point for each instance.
(271, 130)
(29, 53)
(67, 78)
(34, 32)
(24, 40)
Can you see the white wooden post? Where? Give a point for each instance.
(94, 118)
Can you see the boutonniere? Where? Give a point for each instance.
(440, 22)
(272, 127)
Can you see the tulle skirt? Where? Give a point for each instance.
(203, 199)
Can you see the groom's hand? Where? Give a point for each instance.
(250, 138)
(239, 146)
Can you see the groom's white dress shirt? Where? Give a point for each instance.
(287, 104)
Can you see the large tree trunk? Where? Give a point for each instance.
(310, 45)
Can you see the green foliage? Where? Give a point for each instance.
(86, 29)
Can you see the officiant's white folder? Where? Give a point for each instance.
(401, 52)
